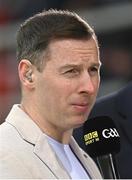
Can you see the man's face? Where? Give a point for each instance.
(66, 89)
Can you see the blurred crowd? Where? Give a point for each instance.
(115, 46)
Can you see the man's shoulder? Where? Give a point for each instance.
(124, 92)
(106, 99)
(10, 137)
(5, 131)
(106, 106)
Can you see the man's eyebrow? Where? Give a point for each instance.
(96, 64)
(67, 66)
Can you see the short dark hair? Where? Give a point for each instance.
(35, 34)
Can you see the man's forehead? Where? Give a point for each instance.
(72, 47)
(66, 43)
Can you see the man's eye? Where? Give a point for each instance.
(94, 70)
(72, 71)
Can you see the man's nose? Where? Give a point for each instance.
(87, 85)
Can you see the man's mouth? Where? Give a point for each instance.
(81, 107)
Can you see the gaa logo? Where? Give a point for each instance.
(111, 132)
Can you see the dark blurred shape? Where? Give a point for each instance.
(22, 9)
(117, 63)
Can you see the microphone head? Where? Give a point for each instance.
(101, 136)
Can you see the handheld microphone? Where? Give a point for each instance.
(102, 142)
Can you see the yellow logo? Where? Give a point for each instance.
(91, 137)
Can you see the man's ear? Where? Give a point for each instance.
(26, 73)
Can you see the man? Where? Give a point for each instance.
(118, 106)
(59, 72)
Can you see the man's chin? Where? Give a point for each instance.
(78, 122)
(78, 125)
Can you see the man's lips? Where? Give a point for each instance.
(81, 107)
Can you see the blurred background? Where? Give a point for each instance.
(111, 19)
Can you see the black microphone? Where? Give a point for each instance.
(102, 142)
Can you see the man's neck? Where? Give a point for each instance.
(61, 135)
